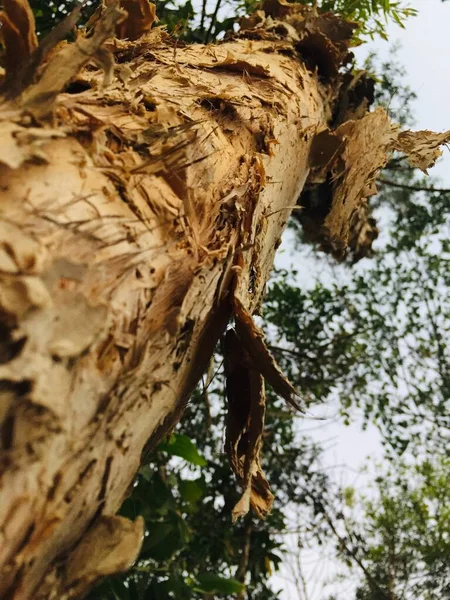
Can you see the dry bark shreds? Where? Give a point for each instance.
(421, 147)
(21, 144)
(366, 144)
(27, 72)
(17, 33)
(345, 163)
(245, 425)
(337, 30)
(253, 339)
(363, 232)
(141, 16)
(111, 546)
(68, 62)
(324, 38)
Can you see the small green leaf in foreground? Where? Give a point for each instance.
(183, 446)
(214, 584)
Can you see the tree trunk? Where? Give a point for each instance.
(135, 207)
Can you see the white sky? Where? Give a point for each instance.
(425, 55)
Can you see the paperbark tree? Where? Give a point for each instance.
(144, 190)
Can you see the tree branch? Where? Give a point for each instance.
(413, 188)
(213, 21)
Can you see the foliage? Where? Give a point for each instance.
(395, 541)
(49, 12)
(191, 549)
(405, 545)
(379, 342)
(372, 15)
(212, 21)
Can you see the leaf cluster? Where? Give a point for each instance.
(373, 16)
(186, 495)
(407, 533)
(207, 22)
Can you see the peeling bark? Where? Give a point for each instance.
(132, 194)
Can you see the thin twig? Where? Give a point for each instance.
(213, 20)
(413, 188)
(373, 584)
(202, 19)
(245, 555)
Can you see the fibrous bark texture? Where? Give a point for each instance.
(144, 187)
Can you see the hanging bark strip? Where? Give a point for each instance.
(245, 426)
(134, 177)
(17, 34)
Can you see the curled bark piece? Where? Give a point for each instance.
(67, 63)
(245, 425)
(342, 180)
(421, 147)
(27, 70)
(17, 33)
(112, 545)
(253, 340)
(141, 16)
(366, 144)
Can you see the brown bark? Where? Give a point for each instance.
(133, 207)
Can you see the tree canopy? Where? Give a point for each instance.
(207, 23)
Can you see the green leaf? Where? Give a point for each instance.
(181, 445)
(192, 491)
(214, 584)
(349, 496)
(133, 590)
(163, 541)
(173, 587)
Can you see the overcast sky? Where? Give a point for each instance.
(425, 54)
